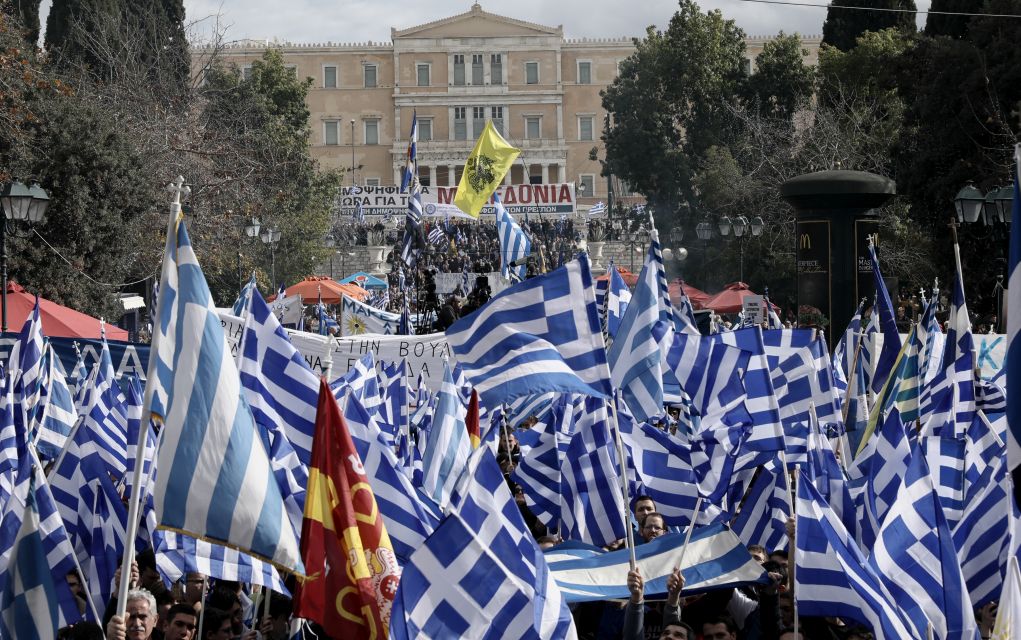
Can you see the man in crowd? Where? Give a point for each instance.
(141, 618)
(652, 526)
(181, 623)
(634, 615)
(720, 627)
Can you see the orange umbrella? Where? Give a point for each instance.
(698, 297)
(332, 291)
(731, 298)
(58, 321)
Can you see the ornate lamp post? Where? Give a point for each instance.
(252, 231)
(994, 210)
(18, 203)
(271, 236)
(742, 229)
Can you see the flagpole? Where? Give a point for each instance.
(793, 556)
(135, 499)
(687, 537)
(622, 459)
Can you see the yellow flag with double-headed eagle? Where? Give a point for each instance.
(484, 170)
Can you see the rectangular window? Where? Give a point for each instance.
(369, 71)
(458, 69)
(478, 120)
(531, 73)
(496, 68)
(372, 132)
(330, 77)
(460, 123)
(372, 182)
(584, 73)
(423, 178)
(585, 127)
(587, 185)
(477, 69)
(331, 132)
(496, 115)
(246, 72)
(533, 128)
(425, 129)
(423, 75)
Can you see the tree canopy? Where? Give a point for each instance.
(846, 20)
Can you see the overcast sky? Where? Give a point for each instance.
(363, 20)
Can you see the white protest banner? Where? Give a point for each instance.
(754, 309)
(287, 310)
(424, 354)
(317, 350)
(357, 318)
(518, 199)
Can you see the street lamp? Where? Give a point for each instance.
(742, 229)
(252, 231)
(271, 236)
(18, 203)
(704, 231)
(994, 206)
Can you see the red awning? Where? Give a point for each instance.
(697, 296)
(58, 321)
(730, 299)
(629, 278)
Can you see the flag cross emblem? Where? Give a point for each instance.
(480, 172)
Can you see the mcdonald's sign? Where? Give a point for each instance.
(805, 241)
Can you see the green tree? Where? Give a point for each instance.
(937, 24)
(782, 83)
(265, 121)
(159, 26)
(846, 20)
(72, 27)
(26, 12)
(672, 101)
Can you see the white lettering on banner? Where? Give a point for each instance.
(990, 351)
(518, 199)
(424, 354)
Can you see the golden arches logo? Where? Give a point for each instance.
(805, 241)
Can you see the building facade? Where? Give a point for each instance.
(540, 90)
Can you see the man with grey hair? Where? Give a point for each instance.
(141, 618)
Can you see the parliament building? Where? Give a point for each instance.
(540, 89)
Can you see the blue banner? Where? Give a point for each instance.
(128, 357)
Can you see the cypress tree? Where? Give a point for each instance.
(69, 24)
(843, 26)
(953, 26)
(27, 12)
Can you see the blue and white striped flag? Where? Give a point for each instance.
(448, 446)
(25, 363)
(32, 591)
(715, 558)
(535, 337)
(538, 472)
(635, 355)
(411, 164)
(766, 431)
(765, 510)
(215, 474)
(57, 415)
(618, 296)
(281, 389)
(178, 554)
(515, 245)
(885, 459)
(887, 324)
(436, 236)
(409, 515)
(592, 506)
(105, 419)
(1013, 360)
(597, 209)
(241, 304)
(915, 557)
(846, 349)
(412, 243)
(982, 537)
(958, 356)
(484, 536)
(833, 578)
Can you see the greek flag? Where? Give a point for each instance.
(538, 336)
(634, 356)
(241, 304)
(281, 389)
(31, 594)
(766, 431)
(178, 554)
(409, 515)
(982, 537)
(885, 458)
(833, 578)
(515, 245)
(25, 363)
(57, 415)
(483, 537)
(887, 324)
(597, 209)
(1013, 363)
(847, 347)
(436, 236)
(591, 505)
(448, 447)
(715, 559)
(538, 472)
(915, 556)
(411, 164)
(764, 512)
(105, 419)
(959, 356)
(618, 296)
(412, 242)
(215, 479)
(804, 381)
(394, 392)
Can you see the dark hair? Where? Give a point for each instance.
(223, 599)
(651, 514)
(752, 548)
(772, 566)
(212, 620)
(723, 619)
(83, 631)
(279, 606)
(146, 560)
(180, 608)
(643, 497)
(683, 625)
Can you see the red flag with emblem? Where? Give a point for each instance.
(351, 568)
